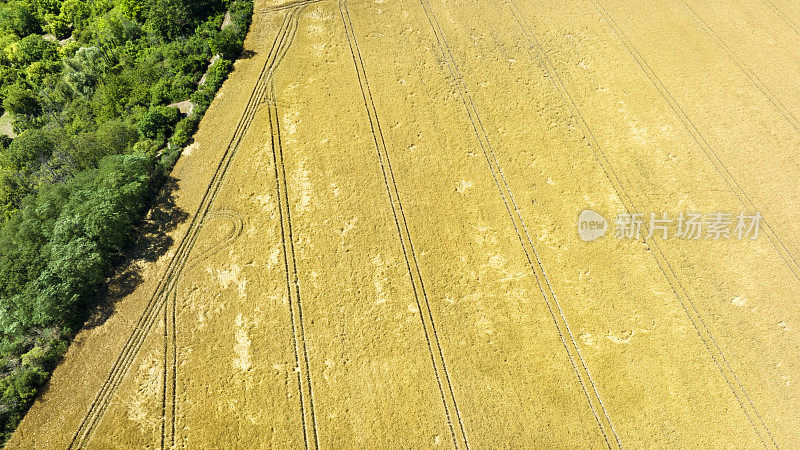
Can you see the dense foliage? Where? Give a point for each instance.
(88, 86)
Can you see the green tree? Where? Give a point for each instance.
(227, 44)
(202, 8)
(21, 100)
(34, 48)
(23, 238)
(168, 19)
(74, 272)
(112, 137)
(76, 12)
(29, 149)
(83, 70)
(44, 7)
(24, 384)
(58, 26)
(117, 29)
(158, 121)
(34, 357)
(110, 97)
(19, 17)
(85, 149)
(117, 136)
(12, 190)
(43, 72)
(135, 9)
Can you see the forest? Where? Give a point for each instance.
(87, 139)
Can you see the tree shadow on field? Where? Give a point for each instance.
(246, 54)
(152, 241)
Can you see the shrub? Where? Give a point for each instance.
(180, 138)
(58, 26)
(182, 87)
(145, 147)
(241, 12)
(20, 387)
(188, 125)
(168, 160)
(21, 100)
(157, 122)
(29, 149)
(34, 358)
(227, 43)
(160, 92)
(216, 75)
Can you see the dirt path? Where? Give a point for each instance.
(381, 245)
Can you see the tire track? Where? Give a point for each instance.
(785, 18)
(441, 372)
(701, 142)
(237, 225)
(290, 5)
(169, 374)
(167, 283)
(690, 309)
(554, 307)
(169, 401)
(301, 364)
(744, 199)
(752, 412)
(765, 91)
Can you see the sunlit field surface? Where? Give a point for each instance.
(380, 246)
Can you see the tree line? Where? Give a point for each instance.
(86, 86)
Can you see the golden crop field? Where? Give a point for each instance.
(380, 247)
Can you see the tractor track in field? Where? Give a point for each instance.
(170, 366)
(559, 319)
(290, 5)
(745, 401)
(666, 268)
(168, 282)
(748, 72)
(301, 364)
(709, 152)
(783, 16)
(237, 225)
(170, 389)
(442, 374)
(295, 315)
